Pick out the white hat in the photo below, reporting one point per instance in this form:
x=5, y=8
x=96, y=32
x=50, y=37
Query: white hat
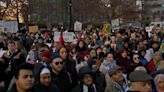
x=45, y=71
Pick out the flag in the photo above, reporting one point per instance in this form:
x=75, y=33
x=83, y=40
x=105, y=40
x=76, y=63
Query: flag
x=61, y=40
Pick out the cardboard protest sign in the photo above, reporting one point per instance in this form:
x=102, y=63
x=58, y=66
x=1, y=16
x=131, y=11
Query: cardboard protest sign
x=33, y=29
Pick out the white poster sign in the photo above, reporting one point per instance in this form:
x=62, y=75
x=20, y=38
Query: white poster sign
x=77, y=26
x=67, y=36
x=115, y=22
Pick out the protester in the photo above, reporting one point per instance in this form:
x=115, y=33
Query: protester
x=69, y=65
x=140, y=81
x=134, y=63
x=159, y=82
x=44, y=81
x=85, y=57
x=129, y=47
x=45, y=57
x=93, y=52
x=123, y=60
x=142, y=53
x=59, y=76
x=24, y=79
x=100, y=82
x=157, y=58
x=86, y=81
x=115, y=80
x=108, y=63
x=12, y=59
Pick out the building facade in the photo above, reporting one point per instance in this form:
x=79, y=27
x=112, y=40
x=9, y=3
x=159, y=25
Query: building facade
x=154, y=10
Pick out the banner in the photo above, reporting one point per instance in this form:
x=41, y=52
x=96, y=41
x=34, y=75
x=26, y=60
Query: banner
x=9, y=26
x=33, y=29
x=77, y=26
x=107, y=28
x=67, y=36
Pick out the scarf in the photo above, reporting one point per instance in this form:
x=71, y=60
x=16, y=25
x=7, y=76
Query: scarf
x=89, y=89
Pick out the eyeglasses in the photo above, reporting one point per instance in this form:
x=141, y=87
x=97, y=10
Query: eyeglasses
x=57, y=63
x=136, y=58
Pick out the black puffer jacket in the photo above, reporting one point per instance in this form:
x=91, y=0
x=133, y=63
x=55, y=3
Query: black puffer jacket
x=62, y=81
x=51, y=88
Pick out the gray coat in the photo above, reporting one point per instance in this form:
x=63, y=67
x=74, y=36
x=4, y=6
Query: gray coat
x=112, y=86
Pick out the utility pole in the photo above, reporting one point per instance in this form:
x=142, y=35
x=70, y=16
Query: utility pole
x=70, y=14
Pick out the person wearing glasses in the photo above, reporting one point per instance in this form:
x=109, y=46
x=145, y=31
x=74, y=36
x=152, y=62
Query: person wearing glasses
x=87, y=83
x=60, y=77
x=134, y=63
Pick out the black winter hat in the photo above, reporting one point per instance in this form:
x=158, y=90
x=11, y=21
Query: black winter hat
x=85, y=70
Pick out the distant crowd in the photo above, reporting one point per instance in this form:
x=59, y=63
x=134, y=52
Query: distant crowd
x=126, y=60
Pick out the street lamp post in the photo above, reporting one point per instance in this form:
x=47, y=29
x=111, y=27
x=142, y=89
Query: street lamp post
x=70, y=14
x=142, y=16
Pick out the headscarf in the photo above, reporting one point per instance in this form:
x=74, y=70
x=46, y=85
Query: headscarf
x=157, y=79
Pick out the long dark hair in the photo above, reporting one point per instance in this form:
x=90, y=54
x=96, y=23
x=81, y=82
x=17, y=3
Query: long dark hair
x=81, y=49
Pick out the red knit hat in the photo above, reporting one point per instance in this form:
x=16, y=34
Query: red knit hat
x=85, y=53
x=46, y=54
x=122, y=50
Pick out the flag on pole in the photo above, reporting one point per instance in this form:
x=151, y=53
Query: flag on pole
x=61, y=40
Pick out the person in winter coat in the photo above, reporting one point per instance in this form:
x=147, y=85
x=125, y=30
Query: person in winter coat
x=134, y=63
x=12, y=59
x=85, y=56
x=24, y=79
x=69, y=65
x=73, y=53
x=87, y=81
x=115, y=80
x=81, y=47
x=60, y=77
x=108, y=63
x=123, y=60
x=157, y=58
x=142, y=53
x=140, y=81
x=100, y=82
x=44, y=82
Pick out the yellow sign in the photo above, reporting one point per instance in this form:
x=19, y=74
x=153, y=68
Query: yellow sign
x=107, y=28
x=33, y=29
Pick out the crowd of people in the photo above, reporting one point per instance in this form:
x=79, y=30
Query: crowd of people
x=126, y=60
